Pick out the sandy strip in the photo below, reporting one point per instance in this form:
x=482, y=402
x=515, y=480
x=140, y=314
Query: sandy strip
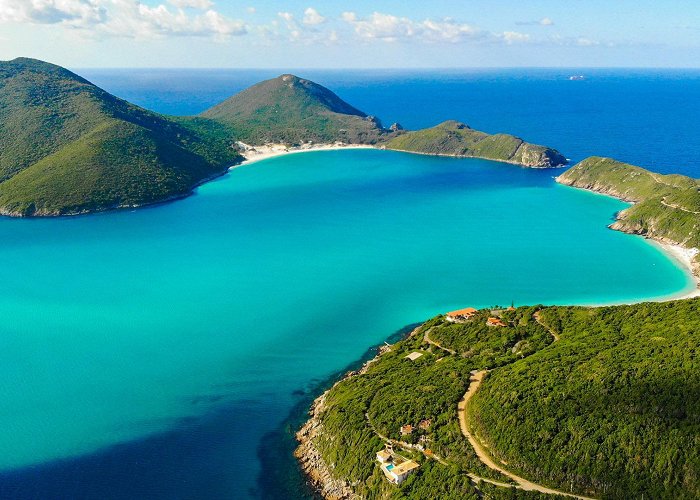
x=685, y=258
x=258, y=153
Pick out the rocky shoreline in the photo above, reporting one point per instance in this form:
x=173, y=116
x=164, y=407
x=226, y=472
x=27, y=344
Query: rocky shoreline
x=317, y=471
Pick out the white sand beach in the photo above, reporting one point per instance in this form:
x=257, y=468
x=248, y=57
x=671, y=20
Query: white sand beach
x=257, y=153
x=685, y=257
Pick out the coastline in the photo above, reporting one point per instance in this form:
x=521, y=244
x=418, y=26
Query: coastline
x=684, y=257
x=448, y=155
x=309, y=458
x=254, y=154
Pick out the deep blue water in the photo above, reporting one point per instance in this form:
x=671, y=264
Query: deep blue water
x=645, y=117
x=158, y=353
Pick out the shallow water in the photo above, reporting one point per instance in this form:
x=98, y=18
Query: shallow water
x=149, y=352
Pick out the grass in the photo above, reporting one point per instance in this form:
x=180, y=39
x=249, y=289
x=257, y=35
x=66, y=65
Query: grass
x=457, y=139
x=70, y=147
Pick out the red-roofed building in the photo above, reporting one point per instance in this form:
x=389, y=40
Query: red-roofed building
x=461, y=314
x=495, y=322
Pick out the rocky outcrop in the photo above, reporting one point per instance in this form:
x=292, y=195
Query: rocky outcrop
x=316, y=469
x=318, y=472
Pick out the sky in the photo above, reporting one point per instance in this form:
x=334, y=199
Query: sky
x=357, y=34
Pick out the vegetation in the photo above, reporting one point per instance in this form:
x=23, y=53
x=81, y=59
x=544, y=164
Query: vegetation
x=457, y=139
x=667, y=207
x=611, y=409
x=362, y=410
x=70, y=147
x=292, y=110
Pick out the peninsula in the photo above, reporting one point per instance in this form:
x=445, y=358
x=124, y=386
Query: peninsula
x=585, y=402
x=72, y=148
x=452, y=138
x=665, y=208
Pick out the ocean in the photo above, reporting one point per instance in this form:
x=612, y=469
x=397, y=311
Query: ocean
x=170, y=352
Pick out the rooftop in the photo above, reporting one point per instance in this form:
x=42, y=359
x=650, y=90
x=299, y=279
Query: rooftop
x=405, y=467
x=414, y=355
x=467, y=311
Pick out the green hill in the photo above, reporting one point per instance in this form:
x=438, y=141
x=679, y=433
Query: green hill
x=666, y=207
x=292, y=110
x=612, y=409
x=69, y=147
x=603, y=402
x=452, y=138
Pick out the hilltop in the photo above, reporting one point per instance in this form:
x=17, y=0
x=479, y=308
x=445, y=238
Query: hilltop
x=70, y=147
x=597, y=402
x=666, y=207
x=292, y=110
x=453, y=138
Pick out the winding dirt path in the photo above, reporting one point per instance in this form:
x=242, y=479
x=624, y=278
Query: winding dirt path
x=551, y=332
x=676, y=207
x=427, y=339
x=521, y=483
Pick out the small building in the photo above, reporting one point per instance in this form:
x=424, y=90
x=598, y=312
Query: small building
x=414, y=355
x=406, y=429
x=397, y=473
x=383, y=457
x=495, y=322
x=461, y=314
x=425, y=424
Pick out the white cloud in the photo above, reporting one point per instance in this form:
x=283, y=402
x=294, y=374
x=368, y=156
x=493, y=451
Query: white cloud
x=512, y=37
x=545, y=21
x=348, y=17
x=193, y=4
x=312, y=17
x=392, y=28
x=124, y=18
x=69, y=12
x=251, y=10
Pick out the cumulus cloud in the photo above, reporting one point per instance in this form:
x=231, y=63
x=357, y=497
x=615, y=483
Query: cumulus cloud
x=193, y=4
x=312, y=17
x=125, y=18
x=73, y=12
x=512, y=37
x=392, y=28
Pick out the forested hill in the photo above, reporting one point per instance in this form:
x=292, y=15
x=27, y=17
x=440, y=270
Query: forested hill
x=292, y=110
x=602, y=402
x=452, y=138
x=667, y=207
x=70, y=147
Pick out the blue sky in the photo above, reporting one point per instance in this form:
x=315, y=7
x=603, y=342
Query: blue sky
x=359, y=34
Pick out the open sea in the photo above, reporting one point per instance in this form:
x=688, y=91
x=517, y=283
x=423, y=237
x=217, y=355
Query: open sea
x=170, y=352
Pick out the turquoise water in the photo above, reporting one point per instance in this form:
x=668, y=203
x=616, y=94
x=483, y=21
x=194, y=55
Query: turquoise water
x=132, y=324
